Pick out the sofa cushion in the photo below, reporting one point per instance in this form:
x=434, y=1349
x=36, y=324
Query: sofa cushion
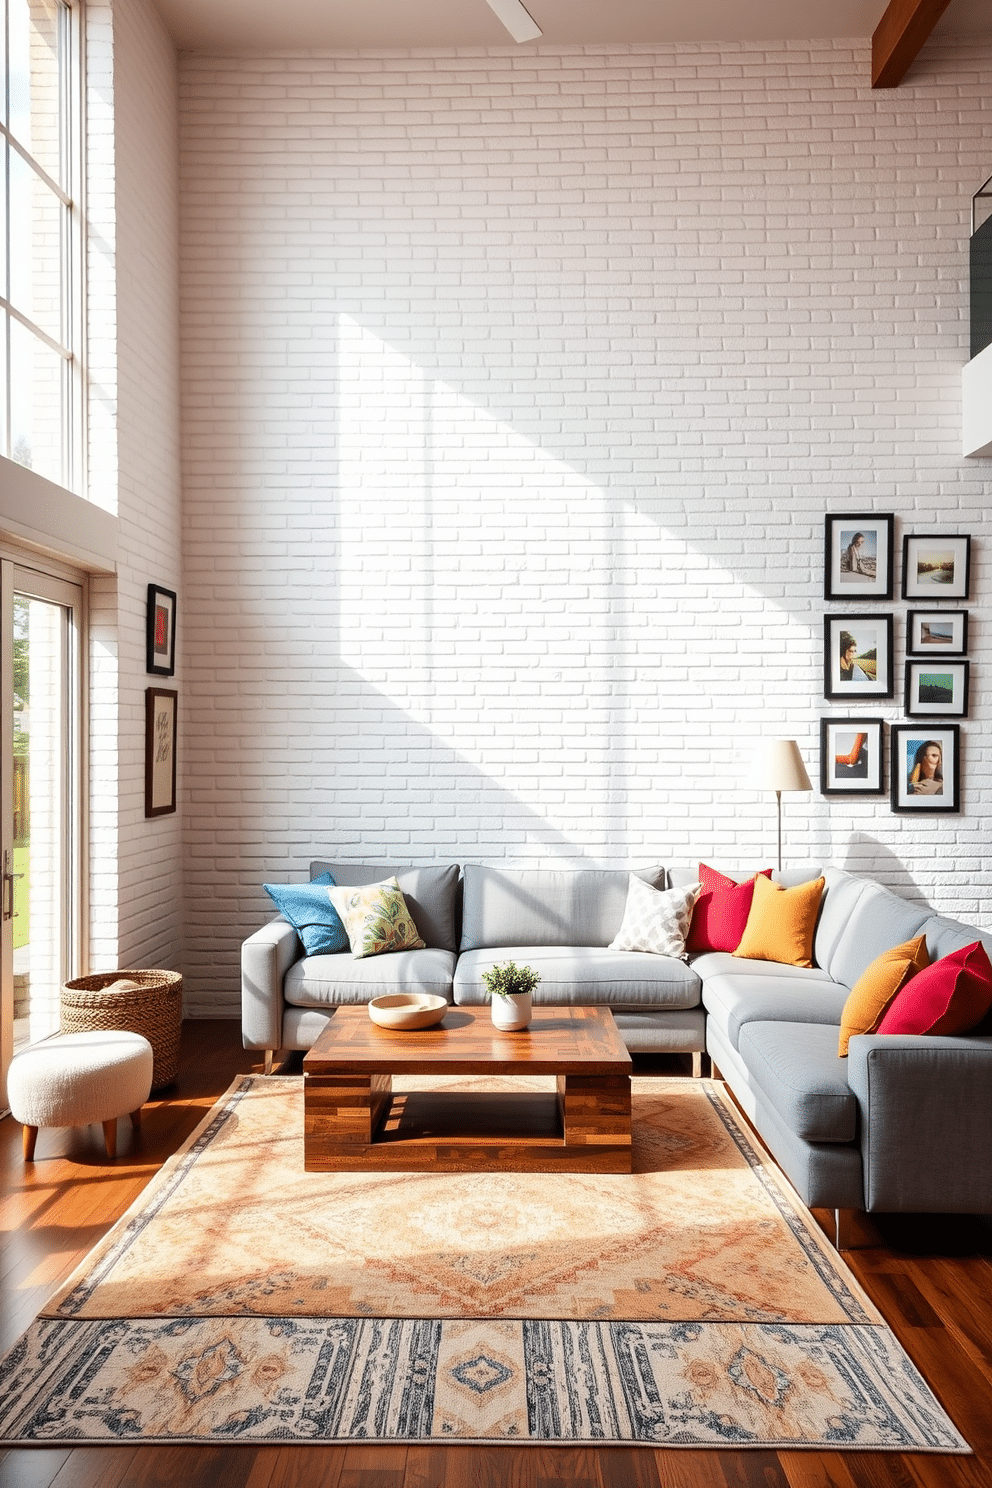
x=945, y=935
x=655, y=920
x=781, y=923
x=431, y=894
x=591, y=975
x=859, y=920
x=787, y=876
x=798, y=1070
x=309, y=910
x=951, y=996
x=546, y=906
x=878, y=986
x=332, y=981
x=761, y=991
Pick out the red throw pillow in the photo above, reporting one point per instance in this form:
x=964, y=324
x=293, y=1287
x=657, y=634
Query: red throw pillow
x=721, y=911
x=951, y=996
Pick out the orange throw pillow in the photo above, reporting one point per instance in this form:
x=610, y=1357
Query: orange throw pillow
x=877, y=987
x=781, y=923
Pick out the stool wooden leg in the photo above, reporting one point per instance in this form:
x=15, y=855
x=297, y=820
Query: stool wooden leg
x=29, y=1136
x=110, y=1137
x=136, y=1119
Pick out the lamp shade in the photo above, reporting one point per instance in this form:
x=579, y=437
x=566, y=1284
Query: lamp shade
x=778, y=766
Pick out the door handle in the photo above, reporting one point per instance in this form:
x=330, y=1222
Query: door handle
x=8, y=887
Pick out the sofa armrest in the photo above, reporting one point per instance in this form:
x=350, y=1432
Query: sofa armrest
x=926, y=1122
x=266, y=957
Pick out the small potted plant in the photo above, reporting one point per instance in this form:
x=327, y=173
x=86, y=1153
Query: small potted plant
x=510, y=987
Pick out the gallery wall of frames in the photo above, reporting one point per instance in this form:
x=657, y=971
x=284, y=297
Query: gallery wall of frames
x=859, y=662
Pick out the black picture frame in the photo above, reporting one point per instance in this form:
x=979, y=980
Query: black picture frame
x=873, y=639
x=160, y=631
x=907, y=742
x=161, y=730
x=857, y=556
x=936, y=632
x=937, y=689
x=852, y=759
x=936, y=565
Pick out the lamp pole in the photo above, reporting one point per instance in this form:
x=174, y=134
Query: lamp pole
x=778, y=798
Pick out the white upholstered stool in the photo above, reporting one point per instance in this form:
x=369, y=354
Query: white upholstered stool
x=77, y=1078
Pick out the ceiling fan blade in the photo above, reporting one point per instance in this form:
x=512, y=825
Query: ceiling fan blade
x=518, y=21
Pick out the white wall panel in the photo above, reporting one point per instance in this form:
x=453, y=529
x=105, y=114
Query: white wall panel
x=516, y=389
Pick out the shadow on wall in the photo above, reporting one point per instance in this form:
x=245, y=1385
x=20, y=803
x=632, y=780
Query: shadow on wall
x=867, y=855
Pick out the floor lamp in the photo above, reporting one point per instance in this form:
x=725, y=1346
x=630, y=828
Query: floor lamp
x=778, y=766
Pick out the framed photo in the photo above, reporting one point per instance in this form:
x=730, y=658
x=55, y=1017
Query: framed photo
x=851, y=757
x=937, y=689
x=858, y=557
x=857, y=656
x=161, y=631
x=935, y=567
x=161, y=709
x=937, y=632
x=926, y=767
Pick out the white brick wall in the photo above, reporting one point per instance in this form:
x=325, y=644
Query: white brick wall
x=517, y=385
x=134, y=465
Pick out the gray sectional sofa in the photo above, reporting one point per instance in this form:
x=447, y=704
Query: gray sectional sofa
x=901, y=1124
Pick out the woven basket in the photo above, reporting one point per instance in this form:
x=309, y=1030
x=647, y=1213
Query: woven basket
x=154, y=1009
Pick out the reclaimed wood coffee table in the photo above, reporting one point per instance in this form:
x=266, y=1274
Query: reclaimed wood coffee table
x=355, y=1121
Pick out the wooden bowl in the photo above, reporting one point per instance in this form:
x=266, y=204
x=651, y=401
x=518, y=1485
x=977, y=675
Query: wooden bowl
x=407, y=1010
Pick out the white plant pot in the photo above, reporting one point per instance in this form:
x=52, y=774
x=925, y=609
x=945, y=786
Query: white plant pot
x=510, y=1013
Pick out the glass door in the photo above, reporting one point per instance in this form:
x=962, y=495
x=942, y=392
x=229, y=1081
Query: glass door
x=40, y=619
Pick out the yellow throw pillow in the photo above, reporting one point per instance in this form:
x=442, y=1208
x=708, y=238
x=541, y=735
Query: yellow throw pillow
x=877, y=986
x=781, y=923
x=376, y=918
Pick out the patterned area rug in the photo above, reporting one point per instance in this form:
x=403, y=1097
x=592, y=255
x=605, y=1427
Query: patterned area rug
x=691, y=1303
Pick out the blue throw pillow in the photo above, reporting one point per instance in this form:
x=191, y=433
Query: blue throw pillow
x=308, y=908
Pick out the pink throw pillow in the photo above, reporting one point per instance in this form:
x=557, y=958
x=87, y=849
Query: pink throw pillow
x=720, y=913
x=951, y=996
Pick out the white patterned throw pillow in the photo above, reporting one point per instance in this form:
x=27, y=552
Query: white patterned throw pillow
x=376, y=918
x=656, y=920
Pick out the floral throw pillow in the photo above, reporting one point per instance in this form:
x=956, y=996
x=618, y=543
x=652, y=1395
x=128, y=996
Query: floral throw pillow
x=655, y=920
x=376, y=918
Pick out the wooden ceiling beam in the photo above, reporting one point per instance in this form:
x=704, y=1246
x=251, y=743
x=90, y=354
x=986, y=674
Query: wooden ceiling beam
x=899, y=38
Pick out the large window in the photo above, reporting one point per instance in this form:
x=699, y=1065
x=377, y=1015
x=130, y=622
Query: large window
x=41, y=267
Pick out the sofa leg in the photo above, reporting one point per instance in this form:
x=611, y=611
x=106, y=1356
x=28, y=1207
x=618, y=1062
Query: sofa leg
x=697, y=1065
x=714, y=1072
x=269, y=1056
x=854, y=1230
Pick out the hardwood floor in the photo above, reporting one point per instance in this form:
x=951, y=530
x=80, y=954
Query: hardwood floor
x=931, y=1278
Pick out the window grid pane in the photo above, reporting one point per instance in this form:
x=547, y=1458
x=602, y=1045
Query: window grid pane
x=39, y=228
x=35, y=81
x=37, y=404
x=36, y=249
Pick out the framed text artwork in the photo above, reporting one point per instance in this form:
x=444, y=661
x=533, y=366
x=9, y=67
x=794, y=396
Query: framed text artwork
x=161, y=631
x=858, y=556
x=926, y=767
x=857, y=656
x=851, y=757
x=161, y=717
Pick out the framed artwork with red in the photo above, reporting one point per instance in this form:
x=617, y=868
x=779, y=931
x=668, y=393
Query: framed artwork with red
x=161, y=633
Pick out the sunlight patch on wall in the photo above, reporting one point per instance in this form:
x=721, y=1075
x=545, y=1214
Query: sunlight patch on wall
x=531, y=621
